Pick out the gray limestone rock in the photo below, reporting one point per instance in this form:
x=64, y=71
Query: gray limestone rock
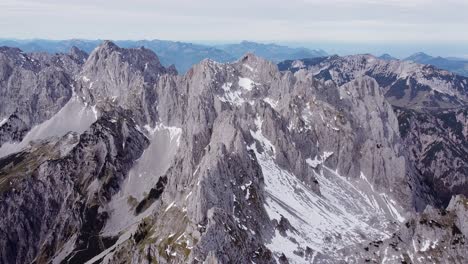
x=438, y=146
x=33, y=87
x=229, y=163
x=405, y=83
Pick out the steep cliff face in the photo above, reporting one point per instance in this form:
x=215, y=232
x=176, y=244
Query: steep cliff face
x=438, y=144
x=33, y=87
x=229, y=163
x=52, y=191
x=431, y=108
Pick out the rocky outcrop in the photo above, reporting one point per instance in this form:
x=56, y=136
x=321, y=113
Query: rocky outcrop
x=438, y=147
x=123, y=76
x=435, y=236
x=431, y=109
x=33, y=87
x=51, y=193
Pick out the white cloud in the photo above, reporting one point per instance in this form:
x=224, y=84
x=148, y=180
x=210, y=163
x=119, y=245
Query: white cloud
x=300, y=20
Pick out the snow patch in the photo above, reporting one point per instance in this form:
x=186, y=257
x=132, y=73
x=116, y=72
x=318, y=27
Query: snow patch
x=144, y=175
x=271, y=102
x=246, y=83
x=57, y=126
x=268, y=146
x=298, y=64
x=245, y=187
x=231, y=96
x=371, y=59
x=391, y=206
x=318, y=160
x=248, y=67
x=3, y=121
x=174, y=132
x=340, y=217
x=169, y=207
x=95, y=111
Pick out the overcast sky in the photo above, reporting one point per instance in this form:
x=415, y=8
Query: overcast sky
x=443, y=22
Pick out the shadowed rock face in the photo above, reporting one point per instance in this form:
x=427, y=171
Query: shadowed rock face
x=438, y=144
x=229, y=163
x=57, y=198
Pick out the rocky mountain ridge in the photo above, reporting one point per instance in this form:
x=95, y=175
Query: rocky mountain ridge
x=228, y=163
x=455, y=65
x=435, y=137
x=181, y=54
x=273, y=52
x=37, y=85
x=406, y=84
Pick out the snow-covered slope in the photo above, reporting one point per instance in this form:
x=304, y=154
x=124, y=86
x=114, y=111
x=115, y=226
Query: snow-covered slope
x=75, y=116
x=346, y=212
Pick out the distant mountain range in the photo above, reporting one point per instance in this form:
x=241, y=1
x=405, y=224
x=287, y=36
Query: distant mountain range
x=455, y=65
x=273, y=52
x=405, y=83
x=182, y=54
x=387, y=57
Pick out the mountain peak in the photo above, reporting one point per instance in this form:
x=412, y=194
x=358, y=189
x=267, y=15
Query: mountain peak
x=134, y=56
x=106, y=47
x=249, y=56
x=12, y=50
x=246, y=42
x=117, y=73
x=107, y=44
x=255, y=61
x=78, y=54
x=419, y=56
x=387, y=57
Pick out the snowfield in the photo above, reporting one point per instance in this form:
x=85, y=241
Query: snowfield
x=346, y=212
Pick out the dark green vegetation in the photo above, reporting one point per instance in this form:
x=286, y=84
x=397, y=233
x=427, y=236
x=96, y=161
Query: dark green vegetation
x=154, y=194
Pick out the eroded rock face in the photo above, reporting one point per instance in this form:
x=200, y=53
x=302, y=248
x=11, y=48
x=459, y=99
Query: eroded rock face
x=437, y=235
x=438, y=144
x=405, y=83
x=229, y=163
x=33, y=87
x=61, y=184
